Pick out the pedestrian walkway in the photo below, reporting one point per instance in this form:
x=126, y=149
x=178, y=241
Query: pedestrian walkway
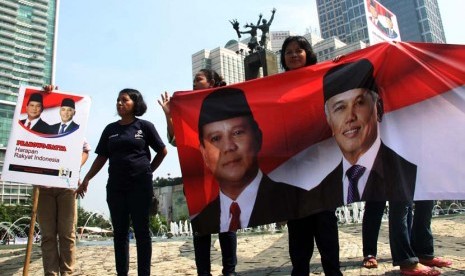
x=258, y=254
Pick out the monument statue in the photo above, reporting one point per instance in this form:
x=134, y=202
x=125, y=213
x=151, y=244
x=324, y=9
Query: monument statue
x=260, y=54
x=253, y=43
x=265, y=28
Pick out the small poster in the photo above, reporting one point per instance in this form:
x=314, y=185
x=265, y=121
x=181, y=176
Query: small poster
x=47, y=136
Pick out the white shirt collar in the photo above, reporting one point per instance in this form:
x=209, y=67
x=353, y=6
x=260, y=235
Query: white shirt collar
x=33, y=122
x=246, y=201
x=366, y=160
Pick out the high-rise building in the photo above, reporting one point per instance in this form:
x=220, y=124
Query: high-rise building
x=228, y=61
x=27, y=51
x=418, y=20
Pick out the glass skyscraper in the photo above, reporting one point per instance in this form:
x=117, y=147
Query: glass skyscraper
x=27, y=49
x=419, y=20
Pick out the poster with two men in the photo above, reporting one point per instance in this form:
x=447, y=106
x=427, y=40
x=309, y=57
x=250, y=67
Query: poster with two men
x=46, y=140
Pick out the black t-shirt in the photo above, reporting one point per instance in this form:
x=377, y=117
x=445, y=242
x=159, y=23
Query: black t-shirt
x=127, y=149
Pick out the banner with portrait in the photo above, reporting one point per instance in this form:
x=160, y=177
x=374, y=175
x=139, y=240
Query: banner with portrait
x=422, y=87
x=46, y=140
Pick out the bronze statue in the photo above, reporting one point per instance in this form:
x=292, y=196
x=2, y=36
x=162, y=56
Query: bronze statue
x=253, y=44
x=265, y=28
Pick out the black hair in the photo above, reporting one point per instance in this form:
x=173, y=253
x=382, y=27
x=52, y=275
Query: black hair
x=304, y=44
x=140, y=107
x=212, y=75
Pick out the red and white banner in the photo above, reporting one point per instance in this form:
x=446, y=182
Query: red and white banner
x=46, y=141
x=423, y=88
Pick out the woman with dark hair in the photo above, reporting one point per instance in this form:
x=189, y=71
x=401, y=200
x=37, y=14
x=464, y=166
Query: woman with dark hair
x=304, y=55
x=296, y=53
x=204, y=79
x=126, y=144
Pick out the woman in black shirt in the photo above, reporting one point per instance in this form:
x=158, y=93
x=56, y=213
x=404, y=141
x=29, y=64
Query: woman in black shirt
x=125, y=143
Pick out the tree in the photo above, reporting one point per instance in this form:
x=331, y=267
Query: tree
x=96, y=220
x=163, y=182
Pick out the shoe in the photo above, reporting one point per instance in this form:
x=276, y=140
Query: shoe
x=436, y=261
x=370, y=262
x=419, y=270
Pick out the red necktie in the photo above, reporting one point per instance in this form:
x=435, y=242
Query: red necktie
x=28, y=125
x=235, y=212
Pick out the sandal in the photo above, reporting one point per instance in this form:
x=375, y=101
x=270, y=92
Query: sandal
x=419, y=270
x=370, y=262
x=436, y=261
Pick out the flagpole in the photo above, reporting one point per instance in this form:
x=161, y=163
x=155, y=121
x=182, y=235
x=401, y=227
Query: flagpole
x=27, y=260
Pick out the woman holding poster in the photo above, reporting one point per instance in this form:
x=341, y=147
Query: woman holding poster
x=125, y=143
x=205, y=79
x=296, y=53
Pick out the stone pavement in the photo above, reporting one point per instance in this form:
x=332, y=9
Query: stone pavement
x=258, y=254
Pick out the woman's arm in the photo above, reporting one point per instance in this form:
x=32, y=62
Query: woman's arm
x=165, y=105
x=158, y=159
x=94, y=169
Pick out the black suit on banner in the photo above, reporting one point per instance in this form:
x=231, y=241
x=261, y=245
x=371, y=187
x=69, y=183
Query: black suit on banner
x=275, y=202
x=56, y=128
x=391, y=178
x=40, y=126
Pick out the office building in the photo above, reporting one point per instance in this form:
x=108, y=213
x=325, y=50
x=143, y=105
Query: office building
x=27, y=50
x=348, y=19
x=418, y=20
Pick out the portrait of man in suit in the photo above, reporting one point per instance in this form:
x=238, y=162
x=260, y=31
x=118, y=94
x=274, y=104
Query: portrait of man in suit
x=230, y=140
x=67, y=112
x=369, y=170
x=390, y=32
x=34, y=108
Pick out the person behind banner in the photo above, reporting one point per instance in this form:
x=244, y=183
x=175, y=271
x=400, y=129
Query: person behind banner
x=321, y=227
x=126, y=144
x=204, y=79
x=34, y=108
x=56, y=213
x=67, y=112
x=230, y=140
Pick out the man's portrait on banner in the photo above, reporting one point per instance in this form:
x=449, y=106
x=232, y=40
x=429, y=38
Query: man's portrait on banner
x=67, y=112
x=230, y=140
x=369, y=170
x=34, y=108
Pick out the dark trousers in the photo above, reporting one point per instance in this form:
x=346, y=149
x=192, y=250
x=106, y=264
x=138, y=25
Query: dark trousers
x=323, y=228
x=407, y=245
x=421, y=236
x=371, y=224
x=134, y=205
x=228, y=244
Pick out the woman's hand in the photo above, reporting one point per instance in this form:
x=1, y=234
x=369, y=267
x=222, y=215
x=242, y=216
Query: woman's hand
x=165, y=103
x=82, y=188
x=49, y=88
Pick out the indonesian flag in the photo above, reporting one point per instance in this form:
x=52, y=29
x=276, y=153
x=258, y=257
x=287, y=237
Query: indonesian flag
x=421, y=84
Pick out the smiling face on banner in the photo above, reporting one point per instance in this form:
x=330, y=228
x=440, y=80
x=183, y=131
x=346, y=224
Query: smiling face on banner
x=352, y=117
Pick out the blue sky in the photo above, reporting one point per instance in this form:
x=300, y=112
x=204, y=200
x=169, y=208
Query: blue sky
x=107, y=45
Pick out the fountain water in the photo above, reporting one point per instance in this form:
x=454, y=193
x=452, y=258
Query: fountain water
x=16, y=232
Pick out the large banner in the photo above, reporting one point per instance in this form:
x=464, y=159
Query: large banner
x=381, y=23
x=394, y=115
x=46, y=141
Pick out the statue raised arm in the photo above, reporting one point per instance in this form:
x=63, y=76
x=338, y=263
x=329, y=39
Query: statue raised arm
x=265, y=28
